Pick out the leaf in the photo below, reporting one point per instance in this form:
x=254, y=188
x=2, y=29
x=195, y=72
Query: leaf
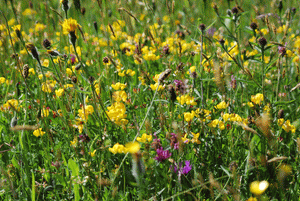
x=226, y=171
x=33, y=188
x=275, y=159
x=72, y=165
x=15, y=163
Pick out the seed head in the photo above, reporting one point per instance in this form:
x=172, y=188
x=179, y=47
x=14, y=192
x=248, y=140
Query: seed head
x=235, y=10
x=46, y=44
x=253, y=26
x=262, y=41
x=202, y=27
x=105, y=60
x=82, y=10
x=25, y=71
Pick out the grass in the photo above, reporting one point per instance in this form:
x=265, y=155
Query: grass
x=149, y=100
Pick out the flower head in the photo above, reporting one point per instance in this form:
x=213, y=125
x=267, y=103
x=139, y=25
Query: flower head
x=259, y=188
x=38, y=132
x=162, y=154
x=69, y=25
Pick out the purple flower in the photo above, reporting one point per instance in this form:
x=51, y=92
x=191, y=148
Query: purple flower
x=181, y=86
x=211, y=31
x=162, y=154
x=282, y=50
x=174, y=142
x=183, y=170
x=73, y=58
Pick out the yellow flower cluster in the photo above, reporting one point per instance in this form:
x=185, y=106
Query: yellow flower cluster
x=59, y=92
x=203, y=114
x=84, y=113
x=221, y=105
x=118, y=86
x=12, y=103
x=116, y=113
x=286, y=125
x=131, y=147
x=214, y=123
x=38, y=132
x=257, y=99
x=48, y=86
x=144, y=138
x=195, y=138
x=149, y=54
x=188, y=116
x=233, y=118
x=119, y=96
x=186, y=99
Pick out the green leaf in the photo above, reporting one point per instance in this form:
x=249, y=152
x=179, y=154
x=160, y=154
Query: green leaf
x=33, y=188
x=15, y=163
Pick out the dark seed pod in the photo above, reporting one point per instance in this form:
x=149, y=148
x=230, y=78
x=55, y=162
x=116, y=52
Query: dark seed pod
x=96, y=26
x=235, y=10
x=91, y=79
x=164, y=75
x=25, y=71
x=65, y=5
x=72, y=37
x=82, y=10
x=173, y=95
x=46, y=44
x=105, y=60
x=280, y=113
x=77, y=4
x=253, y=26
x=74, y=79
x=262, y=41
x=202, y=27
x=222, y=41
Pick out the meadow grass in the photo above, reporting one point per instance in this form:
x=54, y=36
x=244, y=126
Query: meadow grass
x=149, y=100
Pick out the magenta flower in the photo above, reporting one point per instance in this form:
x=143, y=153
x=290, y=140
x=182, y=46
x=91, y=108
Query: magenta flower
x=183, y=170
x=162, y=154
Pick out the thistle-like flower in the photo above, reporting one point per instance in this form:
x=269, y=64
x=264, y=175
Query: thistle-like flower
x=69, y=27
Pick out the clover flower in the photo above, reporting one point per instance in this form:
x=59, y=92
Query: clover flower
x=183, y=169
x=162, y=154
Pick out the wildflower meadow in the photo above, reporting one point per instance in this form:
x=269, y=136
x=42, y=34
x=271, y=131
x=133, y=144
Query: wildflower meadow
x=149, y=100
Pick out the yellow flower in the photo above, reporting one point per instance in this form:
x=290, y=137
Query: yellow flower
x=92, y=154
x=46, y=63
x=119, y=96
x=118, y=86
x=195, y=138
x=185, y=139
x=280, y=121
x=29, y=11
x=31, y=71
x=188, y=116
x=259, y=188
x=45, y=113
x=252, y=199
x=38, y=132
x=59, y=92
x=2, y=80
x=69, y=25
x=257, y=99
x=144, y=138
x=221, y=105
x=132, y=147
x=69, y=71
x=117, y=148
